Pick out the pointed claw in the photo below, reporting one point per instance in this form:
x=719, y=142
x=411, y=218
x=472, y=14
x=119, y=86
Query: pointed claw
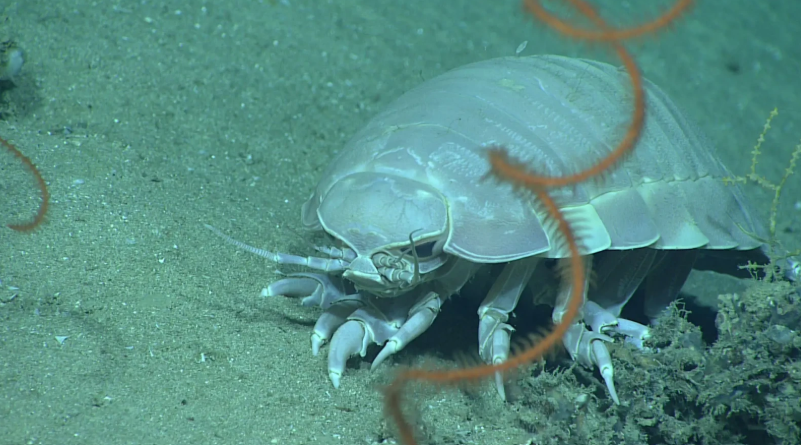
x=500, y=353
x=291, y=287
x=317, y=342
x=601, y=358
x=390, y=348
x=588, y=349
x=599, y=319
x=635, y=332
x=350, y=339
x=578, y=343
x=421, y=318
x=603, y=321
x=493, y=345
x=325, y=327
x=499, y=386
x=328, y=323
x=493, y=338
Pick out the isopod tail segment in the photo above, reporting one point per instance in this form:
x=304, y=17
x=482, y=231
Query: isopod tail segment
x=39, y=218
x=520, y=176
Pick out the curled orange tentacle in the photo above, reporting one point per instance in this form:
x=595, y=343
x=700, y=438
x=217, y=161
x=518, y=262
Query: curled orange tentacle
x=608, y=34
x=39, y=218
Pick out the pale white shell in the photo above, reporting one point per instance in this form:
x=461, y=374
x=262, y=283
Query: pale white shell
x=420, y=166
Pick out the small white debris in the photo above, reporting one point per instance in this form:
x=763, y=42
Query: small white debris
x=61, y=338
x=521, y=48
x=582, y=400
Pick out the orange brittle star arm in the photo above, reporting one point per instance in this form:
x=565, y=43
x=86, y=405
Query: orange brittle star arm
x=38, y=219
x=605, y=34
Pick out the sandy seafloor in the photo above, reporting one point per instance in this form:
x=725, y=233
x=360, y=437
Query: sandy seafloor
x=150, y=118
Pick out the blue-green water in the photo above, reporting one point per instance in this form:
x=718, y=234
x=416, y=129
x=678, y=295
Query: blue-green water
x=149, y=119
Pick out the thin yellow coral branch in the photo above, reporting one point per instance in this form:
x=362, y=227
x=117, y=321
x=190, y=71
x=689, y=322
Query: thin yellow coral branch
x=762, y=181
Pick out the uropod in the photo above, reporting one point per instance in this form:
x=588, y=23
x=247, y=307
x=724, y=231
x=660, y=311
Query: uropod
x=411, y=218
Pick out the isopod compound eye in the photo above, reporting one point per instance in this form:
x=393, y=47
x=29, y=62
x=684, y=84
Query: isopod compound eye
x=425, y=250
